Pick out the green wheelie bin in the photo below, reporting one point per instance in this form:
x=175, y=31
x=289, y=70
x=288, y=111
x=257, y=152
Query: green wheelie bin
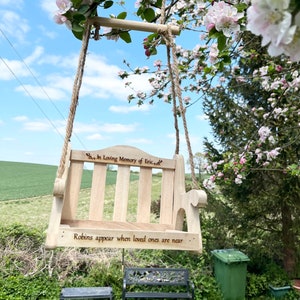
x=230, y=269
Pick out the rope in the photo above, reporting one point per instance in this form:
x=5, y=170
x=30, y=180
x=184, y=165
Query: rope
x=176, y=92
x=74, y=102
x=174, y=102
x=177, y=133
x=183, y=115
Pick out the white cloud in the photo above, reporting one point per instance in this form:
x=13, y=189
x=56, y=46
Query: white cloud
x=118, y=128
x=124, y=109
x=37, y=126
x=49, y=7
x=100, y=79
x=9, y=69
x=20, y=118
x=95, y=137
x=17, y=3
x=202, y=117
x=40, y=125
x=13, y=25
x=8, y=139
x=47, y=33
x=140, y=141
x=42, y=92
x=32, y=58
x=80, y=127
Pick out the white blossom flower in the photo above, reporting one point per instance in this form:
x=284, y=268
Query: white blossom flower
x=264, y=132
x=273, y=21
x=272, y=154
x=213, y=53
x=238, y=179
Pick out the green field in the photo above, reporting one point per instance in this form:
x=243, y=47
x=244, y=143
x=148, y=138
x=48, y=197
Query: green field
x=26, y=193
x=26, y=180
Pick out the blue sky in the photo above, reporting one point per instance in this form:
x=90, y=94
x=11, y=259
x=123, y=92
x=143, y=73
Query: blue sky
x=38, y=61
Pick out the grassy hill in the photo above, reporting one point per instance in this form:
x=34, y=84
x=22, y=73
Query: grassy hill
x=27, y=180
x=26, y=192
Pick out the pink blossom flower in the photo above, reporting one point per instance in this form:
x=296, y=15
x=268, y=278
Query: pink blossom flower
x=63, y=5
x=59, y=18
x=187, y=100
x=157, y=63
x=243, y=160
x=137, y=3
x=224, y=17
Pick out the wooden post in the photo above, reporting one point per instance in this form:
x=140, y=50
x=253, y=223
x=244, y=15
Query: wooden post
x=135, y=25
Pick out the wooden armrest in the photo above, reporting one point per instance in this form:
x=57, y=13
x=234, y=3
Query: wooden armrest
x=59, y=187
x=197, y=198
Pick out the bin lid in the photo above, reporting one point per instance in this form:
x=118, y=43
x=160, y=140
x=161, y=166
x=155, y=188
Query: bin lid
x=230, y=255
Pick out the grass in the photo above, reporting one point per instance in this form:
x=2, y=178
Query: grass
x=26, y=193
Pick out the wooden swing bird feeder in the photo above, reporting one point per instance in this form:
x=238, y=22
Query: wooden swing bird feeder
x=66, y=229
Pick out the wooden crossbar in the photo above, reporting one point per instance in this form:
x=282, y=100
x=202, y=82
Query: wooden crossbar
x=134, y=25
x=121, y=230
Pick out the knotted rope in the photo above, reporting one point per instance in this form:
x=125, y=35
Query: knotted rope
x=177, y=94
x=74, y=101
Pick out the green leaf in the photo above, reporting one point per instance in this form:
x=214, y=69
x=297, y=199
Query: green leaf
x=207, y=70
x=213, y=33
x=241, y=7
x=78, y=18
x=149, y=14
x=158, y=3
x=108, y=4
x=76, y=3
x=122, y=15
x=152, y=37
x=139, y=11
x=83, y=9
x=226, y=59
x=221, y=42
x=125, y=36
x=77, y=27
x=153, y=51
x=78, y=34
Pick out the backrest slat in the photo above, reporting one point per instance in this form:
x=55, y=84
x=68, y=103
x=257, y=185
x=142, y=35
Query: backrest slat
x=144, y=195
x=72, y=191
x=98, y=192
x=166, y=201
x=121, y=193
